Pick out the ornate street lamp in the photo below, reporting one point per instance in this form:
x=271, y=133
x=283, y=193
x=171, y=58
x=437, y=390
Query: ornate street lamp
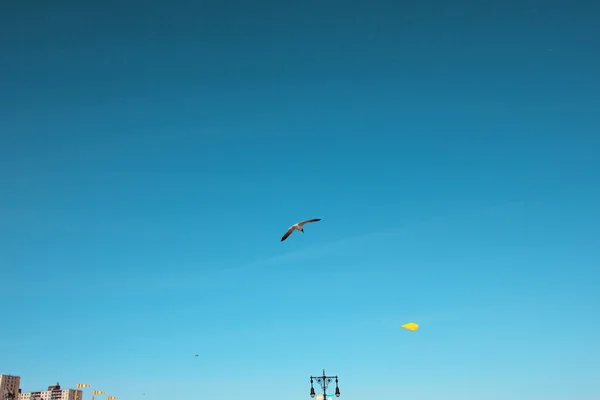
x=324, y=381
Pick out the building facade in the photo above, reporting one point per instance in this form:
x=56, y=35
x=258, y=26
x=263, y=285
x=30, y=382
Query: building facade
x=53, y=393
x=10, y=384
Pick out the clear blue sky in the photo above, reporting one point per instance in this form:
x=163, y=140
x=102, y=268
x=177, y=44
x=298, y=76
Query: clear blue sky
x=153, y=153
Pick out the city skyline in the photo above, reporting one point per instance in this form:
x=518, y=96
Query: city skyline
x=53, y=392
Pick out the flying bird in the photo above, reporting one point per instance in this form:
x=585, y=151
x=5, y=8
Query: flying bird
x=298, y=227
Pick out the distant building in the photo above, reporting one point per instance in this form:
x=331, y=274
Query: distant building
x=54, y=392
x=10, y=385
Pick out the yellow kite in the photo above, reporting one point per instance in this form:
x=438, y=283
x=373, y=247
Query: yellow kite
x=411, y=326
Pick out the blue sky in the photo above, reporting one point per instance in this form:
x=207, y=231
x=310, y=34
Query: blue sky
x=152, y=155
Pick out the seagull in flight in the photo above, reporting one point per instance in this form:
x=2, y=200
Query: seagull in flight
x=298, y=227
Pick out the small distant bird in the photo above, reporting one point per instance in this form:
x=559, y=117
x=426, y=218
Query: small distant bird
x=196, y=355
x=298, y=227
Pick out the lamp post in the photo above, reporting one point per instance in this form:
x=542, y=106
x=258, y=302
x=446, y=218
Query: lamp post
x=324, y=381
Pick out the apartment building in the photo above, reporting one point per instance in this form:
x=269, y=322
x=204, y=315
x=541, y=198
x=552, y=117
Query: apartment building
x=54, y=392
x=9, y=385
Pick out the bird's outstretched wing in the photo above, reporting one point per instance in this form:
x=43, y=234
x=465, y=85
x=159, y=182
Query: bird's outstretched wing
x=308, y=221
x=288, y=233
